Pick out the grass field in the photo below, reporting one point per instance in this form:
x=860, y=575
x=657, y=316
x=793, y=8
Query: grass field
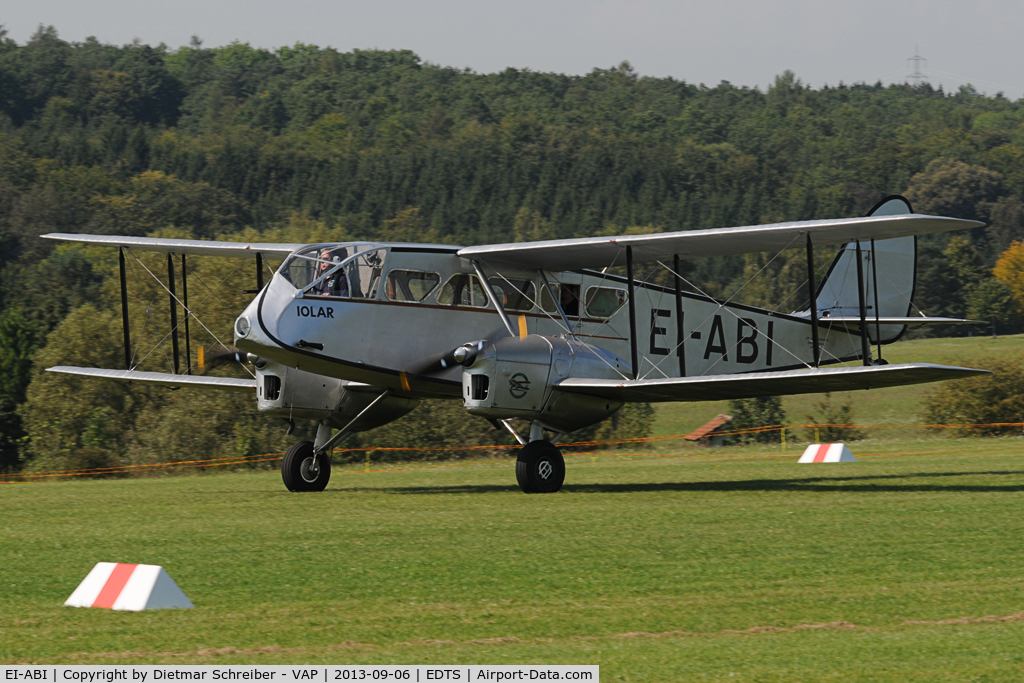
x=897, y=568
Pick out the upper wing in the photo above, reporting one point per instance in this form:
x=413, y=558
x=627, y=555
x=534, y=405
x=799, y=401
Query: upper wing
x=750, y=385
x=598, y=252
x=176, y=246
x=160, y=378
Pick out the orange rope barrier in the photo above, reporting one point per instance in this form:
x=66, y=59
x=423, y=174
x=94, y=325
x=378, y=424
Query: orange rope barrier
x=23, y=477
x=760, y=455
x=125, y=468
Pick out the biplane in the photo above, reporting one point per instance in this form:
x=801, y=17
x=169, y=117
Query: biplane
x=355, y=335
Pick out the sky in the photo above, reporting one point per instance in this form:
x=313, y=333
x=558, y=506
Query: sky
x=745, y=42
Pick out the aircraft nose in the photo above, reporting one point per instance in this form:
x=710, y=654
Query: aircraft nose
x=249, y=334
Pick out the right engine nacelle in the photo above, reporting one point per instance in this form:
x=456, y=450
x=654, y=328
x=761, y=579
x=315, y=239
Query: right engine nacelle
x=516, y=378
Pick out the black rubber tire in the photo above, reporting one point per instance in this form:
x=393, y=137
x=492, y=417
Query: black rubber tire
x=540, y=468
x=295, y=469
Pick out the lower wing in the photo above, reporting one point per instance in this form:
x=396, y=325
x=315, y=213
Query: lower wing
x=756, y=384
x=160, y=378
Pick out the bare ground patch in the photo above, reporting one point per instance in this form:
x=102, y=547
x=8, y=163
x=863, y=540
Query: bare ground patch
x=499, y=640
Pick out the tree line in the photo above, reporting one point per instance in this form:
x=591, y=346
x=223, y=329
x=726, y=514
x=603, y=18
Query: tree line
x=306, y=142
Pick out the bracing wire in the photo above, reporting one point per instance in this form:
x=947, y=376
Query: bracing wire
x=561, y=325
x=194, y=317
x=724, y=304
x=148, y=318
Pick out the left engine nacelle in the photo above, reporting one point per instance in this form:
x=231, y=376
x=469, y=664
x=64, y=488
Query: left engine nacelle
x=516, y=378
x=285, y=392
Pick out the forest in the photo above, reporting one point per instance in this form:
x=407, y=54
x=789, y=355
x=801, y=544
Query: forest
x=304, y=143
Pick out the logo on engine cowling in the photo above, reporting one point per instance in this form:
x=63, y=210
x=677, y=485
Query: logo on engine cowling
x=518, y=385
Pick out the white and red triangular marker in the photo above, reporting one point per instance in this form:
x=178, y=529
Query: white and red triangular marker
x=130, y=587
x=827, y=452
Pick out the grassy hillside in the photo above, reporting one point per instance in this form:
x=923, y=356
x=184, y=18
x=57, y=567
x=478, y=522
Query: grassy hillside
x=899, y=405
x=658, y=569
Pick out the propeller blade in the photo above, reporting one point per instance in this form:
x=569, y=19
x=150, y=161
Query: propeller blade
x=437, y=362
x=440, y=362
x=207, y=358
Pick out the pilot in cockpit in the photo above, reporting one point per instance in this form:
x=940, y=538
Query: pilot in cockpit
x=337, y=283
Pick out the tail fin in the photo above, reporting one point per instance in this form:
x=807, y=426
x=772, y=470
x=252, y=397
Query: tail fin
x=889, y=272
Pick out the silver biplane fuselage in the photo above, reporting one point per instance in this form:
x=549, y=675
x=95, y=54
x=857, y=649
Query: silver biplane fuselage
x=377, y=316
x=377, y=331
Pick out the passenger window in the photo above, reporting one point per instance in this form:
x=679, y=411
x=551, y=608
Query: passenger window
x=410, y=285
x=514, y=295
x=568, y=296
x=602, y=302
x=462, y=290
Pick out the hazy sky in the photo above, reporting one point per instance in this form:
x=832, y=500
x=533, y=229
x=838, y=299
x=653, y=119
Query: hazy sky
x=747, y=42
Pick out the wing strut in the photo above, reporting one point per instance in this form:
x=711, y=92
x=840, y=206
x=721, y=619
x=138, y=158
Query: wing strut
x=680, y=339
x=812, y=293
x=865, y=347
x=188, y=313
x=632, y=313
x=259, y=276
x=494, y=300
x=874, y=290
x=558, y=304
x=174, y=310
x=124, y=312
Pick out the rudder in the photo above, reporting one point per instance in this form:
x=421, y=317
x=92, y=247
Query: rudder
x=890, y=269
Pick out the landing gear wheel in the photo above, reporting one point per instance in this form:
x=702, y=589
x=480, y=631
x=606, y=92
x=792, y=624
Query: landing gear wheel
x=540, y=468
x=302, y=472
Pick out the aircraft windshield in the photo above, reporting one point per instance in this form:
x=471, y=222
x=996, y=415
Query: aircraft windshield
x=344, y=270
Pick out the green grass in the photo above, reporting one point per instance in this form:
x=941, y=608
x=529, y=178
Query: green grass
x=656, y=568
x=899, y=405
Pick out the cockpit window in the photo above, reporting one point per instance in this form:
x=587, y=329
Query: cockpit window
x=300, y=268
x=336, y=270
x=335, y=284
x=363, y=274
x=462, y=290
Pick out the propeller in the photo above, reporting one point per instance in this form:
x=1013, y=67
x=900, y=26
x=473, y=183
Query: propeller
x=463, y=355
x=207, y=358
x=460, y=355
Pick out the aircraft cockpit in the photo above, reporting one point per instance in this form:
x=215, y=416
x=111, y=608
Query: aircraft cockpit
x=355, y=270
x=350, y=270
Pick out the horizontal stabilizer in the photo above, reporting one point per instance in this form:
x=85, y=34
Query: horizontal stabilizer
x=161, y=378
x=755, y=384
x=599, y=252
x=176, y=246
x=891, y=320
